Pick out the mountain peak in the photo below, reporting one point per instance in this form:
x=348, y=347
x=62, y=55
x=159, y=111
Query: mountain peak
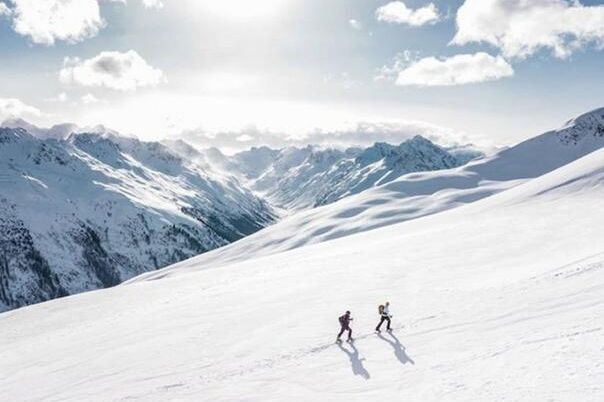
x=596, y=114
x=12, y=135
x=381, y=150
x=587, y=125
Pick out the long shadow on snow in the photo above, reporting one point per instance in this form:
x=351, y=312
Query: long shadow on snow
x=399, y=349
x=355, y=362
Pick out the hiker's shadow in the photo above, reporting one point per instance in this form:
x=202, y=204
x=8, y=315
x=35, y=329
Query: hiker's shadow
x=355, y=362
x=399, y=349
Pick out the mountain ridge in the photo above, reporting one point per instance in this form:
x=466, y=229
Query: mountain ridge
x=302, y=178
x=420, y=194
x=182, y=201
x=114, y=207
x=86, y=212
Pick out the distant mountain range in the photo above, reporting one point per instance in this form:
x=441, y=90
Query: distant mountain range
x=301, y=178
x=87, y=210
x=420, y=194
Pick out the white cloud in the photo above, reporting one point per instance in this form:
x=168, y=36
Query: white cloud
x=11, y=108
x=520, y=27
x=50, y=20
x=355, y=24
x=157, y=4
x=88, y=99
x=456, y=70
x=361, y=134
x=120, y=71
x=401, y=61
x=46, y=21
x=397, y=12
x=4, y=10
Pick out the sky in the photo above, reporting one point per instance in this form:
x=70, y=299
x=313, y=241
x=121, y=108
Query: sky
x=237, y=73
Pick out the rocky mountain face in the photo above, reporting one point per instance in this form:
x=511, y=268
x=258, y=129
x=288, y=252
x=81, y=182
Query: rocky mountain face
x=301, y=178
x=92, y=210
x=585, y=126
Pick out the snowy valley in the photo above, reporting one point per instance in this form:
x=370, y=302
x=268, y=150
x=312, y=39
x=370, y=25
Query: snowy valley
x=495, y=272
x=88, y=210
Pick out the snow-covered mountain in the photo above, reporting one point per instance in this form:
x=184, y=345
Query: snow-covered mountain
x=89, y=210
x=498, y=299
x=297, y=178
x=93, y=210
x=302, y=178
x=419, y=194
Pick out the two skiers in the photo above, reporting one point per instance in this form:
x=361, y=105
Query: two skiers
x=345, y=326
x=383, y=311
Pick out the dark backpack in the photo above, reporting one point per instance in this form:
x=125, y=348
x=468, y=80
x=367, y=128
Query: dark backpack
x=381, y=309
x=342, y=319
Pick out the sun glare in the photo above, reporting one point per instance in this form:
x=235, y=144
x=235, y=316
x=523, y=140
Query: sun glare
x=243, y=8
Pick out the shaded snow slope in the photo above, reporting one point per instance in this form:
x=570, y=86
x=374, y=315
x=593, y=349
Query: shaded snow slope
x=93, y=210
x=419, y=194
x=497, y=300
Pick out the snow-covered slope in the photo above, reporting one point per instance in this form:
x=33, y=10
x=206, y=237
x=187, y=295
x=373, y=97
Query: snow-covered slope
x=114, y=207
x=418, y=194
x=101, y=191
x=497, y=300
x=93, y=210
x=302, y=178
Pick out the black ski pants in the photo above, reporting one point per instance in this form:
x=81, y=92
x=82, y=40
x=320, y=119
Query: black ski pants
x=384, y=318
x=345, y=328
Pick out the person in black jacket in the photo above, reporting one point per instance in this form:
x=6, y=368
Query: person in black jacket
x=345, y=326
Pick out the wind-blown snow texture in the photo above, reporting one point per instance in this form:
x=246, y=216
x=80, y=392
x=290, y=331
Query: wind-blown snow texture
x=92, y=210
x=498, y=299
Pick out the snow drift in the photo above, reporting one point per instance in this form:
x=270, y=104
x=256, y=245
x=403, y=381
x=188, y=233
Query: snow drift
x=497, y=299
